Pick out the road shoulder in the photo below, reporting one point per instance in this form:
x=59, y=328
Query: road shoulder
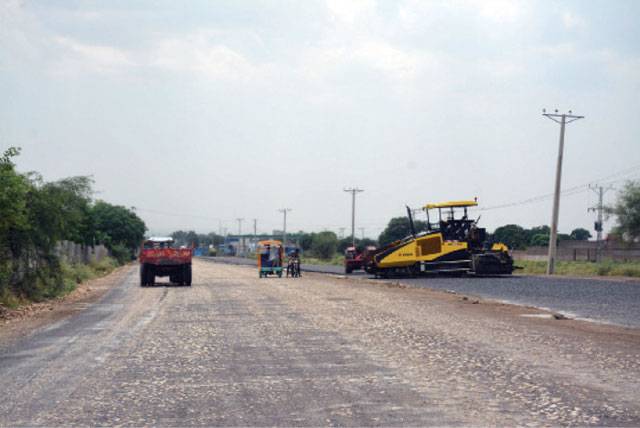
x=15, y=324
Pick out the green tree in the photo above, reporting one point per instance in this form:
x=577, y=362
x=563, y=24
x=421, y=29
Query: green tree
x=532, y=234
x=399, y=228
x=117, y=228
x=324, y=244
x=305, y=240
x=539, y=240
x=14, y=217
x=580, y=234
x=514, y=236
x=627, y=212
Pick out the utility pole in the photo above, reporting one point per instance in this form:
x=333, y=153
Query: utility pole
x=353, y=192
x=361, y=232
x=563, y=120
x=342, y=232
x=284, y=228
x=241, y=239
x=255, y=234
x=600, y=191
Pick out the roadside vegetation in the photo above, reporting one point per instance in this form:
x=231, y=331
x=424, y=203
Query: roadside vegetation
x=578, y=268
x=36, y=215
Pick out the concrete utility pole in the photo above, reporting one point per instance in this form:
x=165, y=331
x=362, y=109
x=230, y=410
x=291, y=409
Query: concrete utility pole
x=600, y=191
x=255, y=228
x=239, y=220
x=342, y=232
x=361, y=232
x=562, y=119
x=284, y=228
x=353, y=192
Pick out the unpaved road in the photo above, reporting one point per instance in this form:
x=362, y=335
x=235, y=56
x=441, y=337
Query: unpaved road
x=236, y=350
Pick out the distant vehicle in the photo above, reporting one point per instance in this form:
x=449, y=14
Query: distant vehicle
x=160, y=257
x=354, y=259
x=270, y=254
x=453, y=244
x=293, y=263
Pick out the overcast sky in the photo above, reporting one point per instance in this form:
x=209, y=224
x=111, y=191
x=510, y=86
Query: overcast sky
x=197, y=113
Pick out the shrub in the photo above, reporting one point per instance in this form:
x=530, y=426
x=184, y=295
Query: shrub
x=324, y=244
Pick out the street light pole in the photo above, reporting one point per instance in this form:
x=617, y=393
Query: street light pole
x=563, y=120
x=353, y=192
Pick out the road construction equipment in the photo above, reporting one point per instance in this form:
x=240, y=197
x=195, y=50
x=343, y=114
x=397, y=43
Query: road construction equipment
x=453, y=244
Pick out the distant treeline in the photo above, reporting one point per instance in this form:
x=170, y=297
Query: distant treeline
x=326, y=244
x=35, y=215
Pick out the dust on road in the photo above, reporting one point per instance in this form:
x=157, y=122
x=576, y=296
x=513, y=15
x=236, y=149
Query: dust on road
x=237, y=350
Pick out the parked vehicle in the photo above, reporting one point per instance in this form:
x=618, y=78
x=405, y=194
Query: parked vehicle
x=270, y=254
x=354, y=259
x=160, y=257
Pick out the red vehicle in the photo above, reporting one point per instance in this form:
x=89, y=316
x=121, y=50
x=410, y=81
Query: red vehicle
x=159, y=257
x=354, y=259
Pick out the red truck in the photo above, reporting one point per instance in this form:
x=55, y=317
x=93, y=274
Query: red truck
x=354, y=259
x=160, y=257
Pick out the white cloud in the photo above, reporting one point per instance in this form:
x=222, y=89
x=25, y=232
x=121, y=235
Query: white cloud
x=501, y=11
x=96, y=58
x=351, y=11
x=572, y=21
x=198, y=53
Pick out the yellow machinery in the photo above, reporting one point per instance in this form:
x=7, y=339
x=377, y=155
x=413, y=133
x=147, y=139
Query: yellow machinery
x=450, y=244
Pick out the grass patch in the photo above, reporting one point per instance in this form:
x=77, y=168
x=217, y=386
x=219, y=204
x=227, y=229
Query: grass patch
x=67, y=279
x=337, y=260
x=571, y=268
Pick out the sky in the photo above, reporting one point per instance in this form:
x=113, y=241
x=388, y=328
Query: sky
x=198, y=113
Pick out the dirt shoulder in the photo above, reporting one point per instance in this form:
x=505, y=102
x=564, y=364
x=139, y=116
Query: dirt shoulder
x=21, y=322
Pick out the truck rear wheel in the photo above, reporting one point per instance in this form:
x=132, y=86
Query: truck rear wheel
x=186, y=275
x=143, y=276
x=147, y=276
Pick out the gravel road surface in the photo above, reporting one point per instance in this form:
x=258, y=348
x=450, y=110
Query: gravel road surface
x=318, y=350
x=612, y=301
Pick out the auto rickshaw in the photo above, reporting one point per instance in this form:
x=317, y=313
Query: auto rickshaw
x=270, y=254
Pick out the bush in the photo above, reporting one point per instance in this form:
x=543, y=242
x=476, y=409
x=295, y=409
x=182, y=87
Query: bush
x=121, y=253
x=324, y=244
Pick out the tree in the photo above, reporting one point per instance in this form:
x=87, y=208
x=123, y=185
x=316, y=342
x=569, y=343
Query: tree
x=539, y=240
x=580, y=234
x=305, y=240
x=627, y=212
x=514, y=236
x=534, y=234
x=399, y=228
x=324, y=244
x=117, y=228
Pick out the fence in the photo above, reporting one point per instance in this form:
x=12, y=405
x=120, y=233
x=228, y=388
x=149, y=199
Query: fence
x=78, y=253
x=582, y=251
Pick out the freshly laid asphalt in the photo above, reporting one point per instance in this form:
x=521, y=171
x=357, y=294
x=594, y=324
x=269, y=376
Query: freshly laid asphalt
x=607, y=301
